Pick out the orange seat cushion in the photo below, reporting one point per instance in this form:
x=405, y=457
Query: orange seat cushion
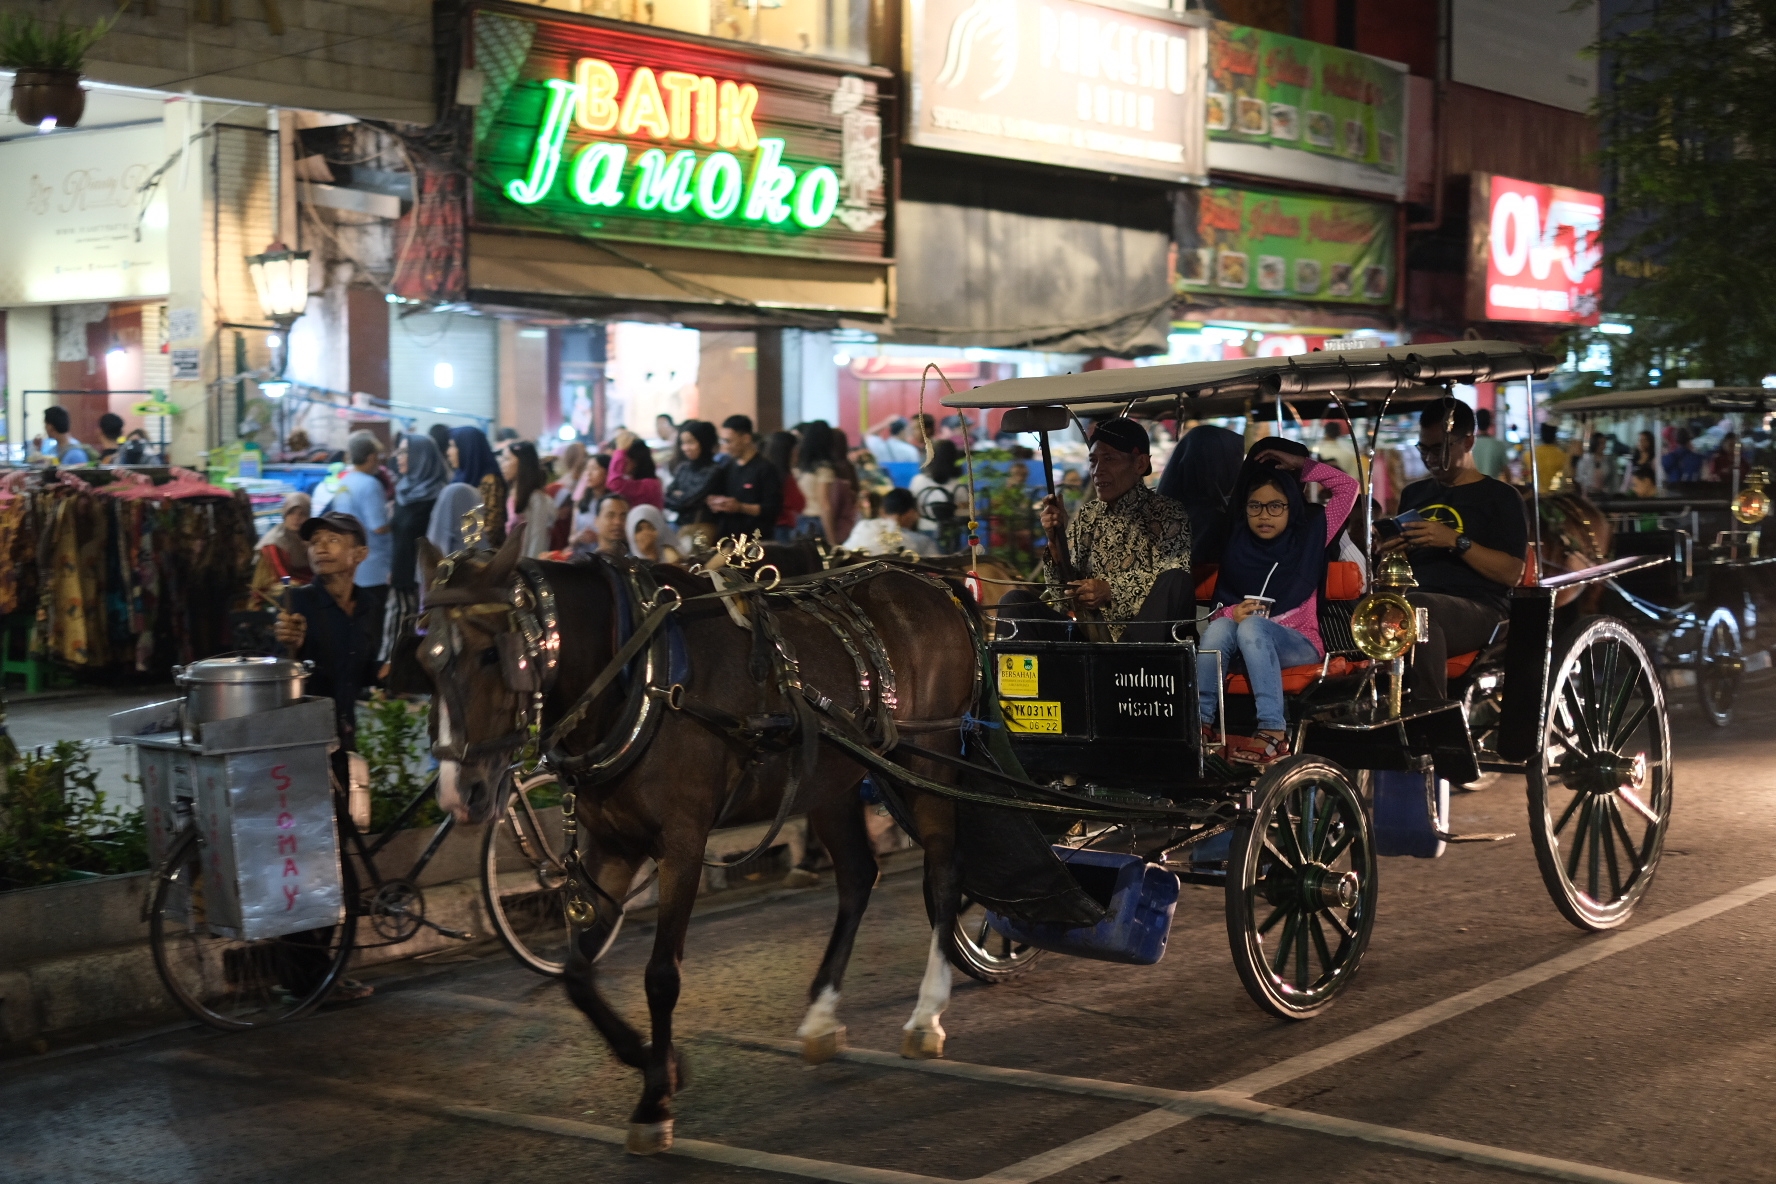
x=1459, y=663
x=1344, y=580
x=1204, y=576
x=1531, y=569
x=1298, y=678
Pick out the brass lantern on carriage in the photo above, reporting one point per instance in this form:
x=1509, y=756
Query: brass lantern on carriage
x=1385, y=624
x=1751, y=505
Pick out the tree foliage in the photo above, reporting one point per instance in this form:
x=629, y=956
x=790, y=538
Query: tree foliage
x=1689, y=131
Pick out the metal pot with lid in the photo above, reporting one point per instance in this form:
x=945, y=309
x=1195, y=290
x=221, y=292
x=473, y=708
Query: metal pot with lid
x=225, y=688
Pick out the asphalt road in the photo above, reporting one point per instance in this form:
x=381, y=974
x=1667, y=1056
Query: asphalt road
x=1485, y=1039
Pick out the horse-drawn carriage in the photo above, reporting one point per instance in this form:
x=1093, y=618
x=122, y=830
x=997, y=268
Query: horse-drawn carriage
x=1581, y=713
x=1700, y=614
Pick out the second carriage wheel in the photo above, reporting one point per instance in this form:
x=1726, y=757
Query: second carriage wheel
x=1301, y=887
x=1600, y=790
x=982, y=952
x=524, y=876
x=1720, y=665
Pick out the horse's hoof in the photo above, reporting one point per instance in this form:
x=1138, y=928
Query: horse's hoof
x=919, y=1045
x=817, y=1050
x=649, y=1138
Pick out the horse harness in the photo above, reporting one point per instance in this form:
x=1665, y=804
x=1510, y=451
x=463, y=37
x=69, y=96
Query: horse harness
x=529, y=652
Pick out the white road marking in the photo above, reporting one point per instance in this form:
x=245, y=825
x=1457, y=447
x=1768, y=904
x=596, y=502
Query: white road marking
x=1071, y=1155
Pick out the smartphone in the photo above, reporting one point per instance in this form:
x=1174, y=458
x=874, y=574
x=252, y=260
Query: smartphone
x=1390, y=528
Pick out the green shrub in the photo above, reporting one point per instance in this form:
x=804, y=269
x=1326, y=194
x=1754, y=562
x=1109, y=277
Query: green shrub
x=393, y=738
x=55, y=824
x=27, y=43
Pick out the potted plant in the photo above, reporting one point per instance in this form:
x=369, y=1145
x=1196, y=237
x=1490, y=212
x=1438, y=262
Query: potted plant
x=46, y=87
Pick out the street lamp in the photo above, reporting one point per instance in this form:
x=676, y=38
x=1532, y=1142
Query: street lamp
x=280, y=277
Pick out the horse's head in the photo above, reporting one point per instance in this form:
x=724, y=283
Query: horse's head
x=483, y=678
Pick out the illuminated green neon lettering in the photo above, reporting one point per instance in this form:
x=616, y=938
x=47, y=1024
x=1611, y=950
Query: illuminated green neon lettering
x=772, y=181
x=545, y=153
x=719, y=182
x=817, y=196
x=675, y=186
x=597, y=172
x=650, y=180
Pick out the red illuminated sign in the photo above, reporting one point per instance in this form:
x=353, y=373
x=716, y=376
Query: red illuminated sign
x=1536, y=250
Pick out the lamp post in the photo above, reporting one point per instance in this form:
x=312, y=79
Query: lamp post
x=280, y=277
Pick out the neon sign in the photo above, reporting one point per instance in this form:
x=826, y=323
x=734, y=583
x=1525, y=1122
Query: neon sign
x=677, y=108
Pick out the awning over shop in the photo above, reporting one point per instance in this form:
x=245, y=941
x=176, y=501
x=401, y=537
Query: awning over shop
x=990, y=278
x=587, y=270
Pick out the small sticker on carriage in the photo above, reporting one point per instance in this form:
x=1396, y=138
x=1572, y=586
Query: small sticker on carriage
x=1018, y=677
x=1028, y=716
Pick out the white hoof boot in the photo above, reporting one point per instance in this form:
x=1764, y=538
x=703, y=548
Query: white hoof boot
x=921, y=1044
x=817, y=1050
x=649, y=1138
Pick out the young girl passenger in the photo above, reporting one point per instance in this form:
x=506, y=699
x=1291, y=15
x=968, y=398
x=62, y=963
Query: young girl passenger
x=1267, y=591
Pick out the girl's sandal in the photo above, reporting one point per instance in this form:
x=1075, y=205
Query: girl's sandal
x=1262, y=749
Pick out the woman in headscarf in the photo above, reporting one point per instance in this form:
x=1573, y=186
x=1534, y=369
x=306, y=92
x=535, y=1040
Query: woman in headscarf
x=693, y=479
x=1201, y=473
x=649, y=536
x=445, y=529
x=422, y=478
x=632, y=472
x=1267, y=592
x=472, y=457
x=282, y=553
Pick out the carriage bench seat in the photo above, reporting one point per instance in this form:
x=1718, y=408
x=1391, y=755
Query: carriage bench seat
x=1298, y=678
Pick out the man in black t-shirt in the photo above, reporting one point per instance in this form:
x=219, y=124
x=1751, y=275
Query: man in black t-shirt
x=747, y=495
x=1467, y=553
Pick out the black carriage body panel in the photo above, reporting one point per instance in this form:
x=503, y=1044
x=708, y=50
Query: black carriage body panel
x=1362, y=736
x=1118, y=713
x=1527, y=654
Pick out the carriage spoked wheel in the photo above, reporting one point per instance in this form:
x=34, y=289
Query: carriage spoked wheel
x=229, y=983
x=982, y=952
x=1301, y=887
x=524, y=877
x=1600, y=794
x=1720, y=666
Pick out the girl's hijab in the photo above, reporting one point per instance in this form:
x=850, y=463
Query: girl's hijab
x=663, y=533
x=475, y=455
x=1294, y=562
x=1201, y=474
x=445, y=527
x=425, y=474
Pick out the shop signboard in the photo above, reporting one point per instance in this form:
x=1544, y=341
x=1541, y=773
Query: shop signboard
x=1293, y=246
x=590, y=128
x=78, y=229
x=1058, y=82
x=1534, y=252
x=1280, y=106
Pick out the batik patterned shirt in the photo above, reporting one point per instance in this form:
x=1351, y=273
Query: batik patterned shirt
x=1127, y=543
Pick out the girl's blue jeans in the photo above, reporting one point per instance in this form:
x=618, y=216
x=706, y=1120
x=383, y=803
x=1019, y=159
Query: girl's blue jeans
x=1267, y=647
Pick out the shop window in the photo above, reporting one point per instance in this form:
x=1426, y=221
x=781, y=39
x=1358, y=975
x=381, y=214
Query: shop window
x=832, y=28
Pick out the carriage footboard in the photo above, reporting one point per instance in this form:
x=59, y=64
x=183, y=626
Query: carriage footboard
x=1432, y=735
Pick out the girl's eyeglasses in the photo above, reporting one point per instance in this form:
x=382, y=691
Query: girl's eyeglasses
x=1267, y=509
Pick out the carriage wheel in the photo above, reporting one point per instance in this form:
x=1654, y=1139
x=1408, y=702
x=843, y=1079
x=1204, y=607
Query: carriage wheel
x=1301, y=887
x=1600, y=794
x=982, y=952
x=1482, y=707
x=1720, y=666
x=524, y=877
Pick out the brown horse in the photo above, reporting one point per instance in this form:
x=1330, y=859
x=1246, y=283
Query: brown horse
x=713, y=749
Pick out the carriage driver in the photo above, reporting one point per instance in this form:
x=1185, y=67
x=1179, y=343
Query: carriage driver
x=1131, y=546
x=1467, y=552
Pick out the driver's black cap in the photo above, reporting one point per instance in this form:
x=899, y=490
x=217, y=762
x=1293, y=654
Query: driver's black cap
x=336, y=522
x=1122, y=434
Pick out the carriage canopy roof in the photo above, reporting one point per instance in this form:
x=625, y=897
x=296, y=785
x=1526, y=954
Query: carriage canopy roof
x=1363, y=380
x=1698, y=398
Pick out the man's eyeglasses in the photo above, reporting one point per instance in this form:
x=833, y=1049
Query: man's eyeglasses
x=1267, y=509
x=1448, y=447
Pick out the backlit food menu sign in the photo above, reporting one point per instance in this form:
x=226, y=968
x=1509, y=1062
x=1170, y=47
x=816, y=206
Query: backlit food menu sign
x=1279, y=106
x=587, y=128
x=1058, y=82
x=1534, y=252
x=1253, y=243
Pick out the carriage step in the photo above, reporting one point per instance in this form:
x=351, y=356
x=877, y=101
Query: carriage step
x=1499, y=838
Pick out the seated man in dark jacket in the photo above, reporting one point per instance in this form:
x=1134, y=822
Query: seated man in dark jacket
x=1467, y=552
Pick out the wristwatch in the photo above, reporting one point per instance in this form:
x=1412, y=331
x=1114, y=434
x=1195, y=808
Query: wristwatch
x=1462, y=543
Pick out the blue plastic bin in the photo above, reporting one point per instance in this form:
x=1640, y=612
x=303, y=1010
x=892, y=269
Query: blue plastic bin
x=1403, y=824
x=1138, y=899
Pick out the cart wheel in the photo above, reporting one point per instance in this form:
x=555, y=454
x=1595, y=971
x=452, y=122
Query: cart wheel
x=524, y=877
x=1720, y=665
x=1301, y=887
x=1600, y=793
x=233, y=984
x=982, y=952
